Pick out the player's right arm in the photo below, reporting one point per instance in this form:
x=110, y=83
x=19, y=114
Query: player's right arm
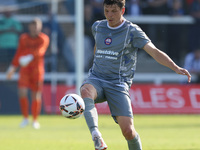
x=15, y=62
x=20, y=50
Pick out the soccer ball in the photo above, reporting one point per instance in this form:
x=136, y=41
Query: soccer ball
x=72, y=106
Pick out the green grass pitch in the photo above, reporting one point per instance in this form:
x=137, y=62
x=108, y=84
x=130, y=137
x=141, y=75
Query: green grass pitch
x=158, y=132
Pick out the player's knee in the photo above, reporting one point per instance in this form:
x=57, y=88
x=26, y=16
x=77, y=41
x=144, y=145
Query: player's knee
x=23, y=92
x=36, y=95
x=87, y=91
x=128, y=133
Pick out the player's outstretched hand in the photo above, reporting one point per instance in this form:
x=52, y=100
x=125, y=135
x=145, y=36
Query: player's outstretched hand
x=183, y=71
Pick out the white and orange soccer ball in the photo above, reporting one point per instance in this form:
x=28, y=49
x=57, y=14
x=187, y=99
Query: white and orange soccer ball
x=72, y=106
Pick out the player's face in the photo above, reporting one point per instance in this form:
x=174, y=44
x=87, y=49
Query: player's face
x=114, y=15
x=34, y=29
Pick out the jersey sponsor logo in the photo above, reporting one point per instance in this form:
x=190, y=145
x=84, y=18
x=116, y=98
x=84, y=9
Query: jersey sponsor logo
x=107, y=52
x=108, y=41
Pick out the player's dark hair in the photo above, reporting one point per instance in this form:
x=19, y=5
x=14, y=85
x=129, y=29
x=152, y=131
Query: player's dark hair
x=120, y=3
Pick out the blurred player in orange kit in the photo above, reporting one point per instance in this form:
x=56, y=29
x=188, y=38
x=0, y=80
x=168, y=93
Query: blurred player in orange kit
x=30, y=58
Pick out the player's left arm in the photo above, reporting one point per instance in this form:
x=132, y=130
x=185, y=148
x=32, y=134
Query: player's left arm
x=165, y=60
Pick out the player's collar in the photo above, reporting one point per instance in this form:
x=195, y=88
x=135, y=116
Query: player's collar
x=117, y=26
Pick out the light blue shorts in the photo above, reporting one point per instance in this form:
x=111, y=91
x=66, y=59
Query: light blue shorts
x=117, y=97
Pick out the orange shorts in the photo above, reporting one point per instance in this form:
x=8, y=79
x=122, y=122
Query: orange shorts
x=33, y=81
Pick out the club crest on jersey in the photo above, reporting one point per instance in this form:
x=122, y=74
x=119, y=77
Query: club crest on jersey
x=108, y=41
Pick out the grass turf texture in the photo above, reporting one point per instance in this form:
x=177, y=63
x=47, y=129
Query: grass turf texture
x=158, y=132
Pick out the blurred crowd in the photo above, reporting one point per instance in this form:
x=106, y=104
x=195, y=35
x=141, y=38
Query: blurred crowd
x=179, y=40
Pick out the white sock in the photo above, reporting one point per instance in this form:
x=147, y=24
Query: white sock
x=96, y=133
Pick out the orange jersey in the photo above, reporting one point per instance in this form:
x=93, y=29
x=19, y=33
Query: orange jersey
x=34, y=71
x=36, y=46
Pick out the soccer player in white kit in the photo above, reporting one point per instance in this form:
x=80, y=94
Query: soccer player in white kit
x=117, y=41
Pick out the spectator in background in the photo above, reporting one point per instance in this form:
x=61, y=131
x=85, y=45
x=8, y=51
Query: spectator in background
x=133, y=7
x=187, y=5
x=194, y=37
x=10, y=29
x=192, y=63
x=8, y=3
x=174, y=31
x=69, y=48
x=176, y=8
x=157, y=7
x=88, y=21
x=69, y=51
x=189, y=2
x=52, y=27
x=97, y=9
x=34, y=6
x=70, y=6
x=88, y=49
x=30, y=58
